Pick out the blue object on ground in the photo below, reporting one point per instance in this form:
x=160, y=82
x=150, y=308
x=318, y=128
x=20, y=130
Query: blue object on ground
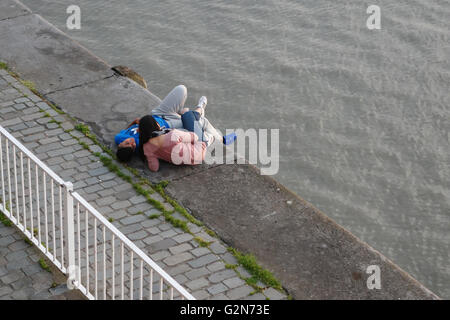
x=229, y=138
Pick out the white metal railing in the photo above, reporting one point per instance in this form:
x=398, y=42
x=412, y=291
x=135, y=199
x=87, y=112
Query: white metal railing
x=99, y=260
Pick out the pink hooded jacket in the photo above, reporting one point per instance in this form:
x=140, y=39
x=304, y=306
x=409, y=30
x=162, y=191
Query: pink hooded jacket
x=178, y=147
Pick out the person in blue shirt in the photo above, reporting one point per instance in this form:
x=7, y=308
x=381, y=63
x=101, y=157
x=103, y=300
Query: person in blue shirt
x=171, y=114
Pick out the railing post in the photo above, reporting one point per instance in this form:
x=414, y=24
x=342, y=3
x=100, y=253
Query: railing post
x=69, y=230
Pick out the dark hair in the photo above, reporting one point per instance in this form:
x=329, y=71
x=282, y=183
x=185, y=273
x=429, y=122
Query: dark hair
x=124, y=154
x=147, y=126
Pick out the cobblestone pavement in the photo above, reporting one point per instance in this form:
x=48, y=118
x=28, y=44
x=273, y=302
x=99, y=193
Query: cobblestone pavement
x=201, y=270
x=21, y=275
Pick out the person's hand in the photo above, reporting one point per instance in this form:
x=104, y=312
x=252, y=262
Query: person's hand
x=135, y=121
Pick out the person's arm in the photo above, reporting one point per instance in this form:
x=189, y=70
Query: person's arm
x=153, y=163
x=152, y=159
x=135, y=121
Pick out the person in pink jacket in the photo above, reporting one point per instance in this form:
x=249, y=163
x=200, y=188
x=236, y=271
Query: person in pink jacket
x=175, y=146
x=184, y=140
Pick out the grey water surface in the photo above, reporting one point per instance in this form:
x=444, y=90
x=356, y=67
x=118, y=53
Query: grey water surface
x=364, y=115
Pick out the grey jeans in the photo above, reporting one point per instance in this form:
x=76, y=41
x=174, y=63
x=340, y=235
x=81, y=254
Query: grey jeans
x=170, y=110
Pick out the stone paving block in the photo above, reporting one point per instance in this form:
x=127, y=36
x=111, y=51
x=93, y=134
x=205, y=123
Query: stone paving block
x=137, y=235
x=243, y=272
x=216, y=266
x=16, y=255
x=133, y=219
x=240, y=292
x=153, y=231
x=204, y=260
x=256, y=296
x=121, y=204
x=60, y=151
x=165, y=226
x=217, y=288
x=105, y=200
x=184, y=237
x=273, y=294
x=33, y=137
x=31, y=124
x=46, y=148
x=234, y=282
x=11, y=122
x=99, y=171
x=198, y=252
x=51, y=125
x=21, y=100
x=160, y=255
x=150, y=223
x=46, y=141
x=23, y=294
x=12, y=277
x=67, y=125
x=229, y=258
x=153, y=239
x=95, y=188
x=106, y=192
x=117, y=214
x=31, y=269
x=220, y=296
x=18, y=245
x=6, y=240
x=31, y=110
x=201, y=294
x=69, y=142
x=4, y=290
x=108, y=176
x=197, y=284
x=69, y=157
x=162, y=245
x=217, y=248
x=180, y=248
x=65, y=136
x=6, y=110
x=197, y=273
x=92, y=180
x=3, y=270
x=19, y=284
x=169, y=233
x=181, y=279
x=6, y=104
x=178, y=258
x=138, y=199
x=54, y=132
x=222, y=275
x=18, y=127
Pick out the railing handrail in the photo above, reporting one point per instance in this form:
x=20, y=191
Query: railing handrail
x=67, y=186
x=29, y=154
x=132, y=246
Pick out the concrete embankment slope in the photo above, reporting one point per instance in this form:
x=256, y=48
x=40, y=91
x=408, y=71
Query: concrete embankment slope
x=312, y=256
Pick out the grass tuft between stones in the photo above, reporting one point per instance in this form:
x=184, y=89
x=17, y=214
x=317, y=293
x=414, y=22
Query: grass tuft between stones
x=248, y=261
x=44, y=265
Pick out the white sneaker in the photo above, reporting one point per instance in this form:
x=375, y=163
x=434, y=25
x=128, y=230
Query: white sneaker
x=202, y=102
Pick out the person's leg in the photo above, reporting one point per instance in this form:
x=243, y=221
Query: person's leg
x=172, y=106
x=193, y=121
x=210, y=134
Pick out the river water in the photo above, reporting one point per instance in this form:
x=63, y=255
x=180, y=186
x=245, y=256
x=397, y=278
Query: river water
x=364, y=115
